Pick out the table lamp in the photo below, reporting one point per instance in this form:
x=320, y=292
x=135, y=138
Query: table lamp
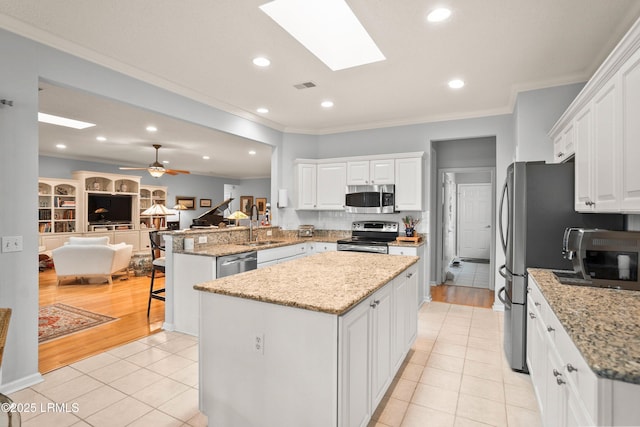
x=237, y=215
x=157, y=210
x=180, y=207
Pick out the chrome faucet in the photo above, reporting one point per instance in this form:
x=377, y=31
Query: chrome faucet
x=251, y=222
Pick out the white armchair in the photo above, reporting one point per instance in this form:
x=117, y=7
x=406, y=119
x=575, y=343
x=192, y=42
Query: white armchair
x=90, y=257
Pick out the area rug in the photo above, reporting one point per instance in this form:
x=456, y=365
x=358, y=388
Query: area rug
x=59, y=320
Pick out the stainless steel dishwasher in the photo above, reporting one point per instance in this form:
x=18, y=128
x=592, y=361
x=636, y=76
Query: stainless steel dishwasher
x=237, y=263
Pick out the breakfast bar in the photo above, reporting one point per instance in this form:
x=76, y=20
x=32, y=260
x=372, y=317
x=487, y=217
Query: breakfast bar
x=315, y=341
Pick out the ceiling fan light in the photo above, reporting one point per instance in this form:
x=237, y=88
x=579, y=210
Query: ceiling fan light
x=156, y=172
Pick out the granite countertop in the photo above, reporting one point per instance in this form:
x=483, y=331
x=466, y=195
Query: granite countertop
x=604, y=324
x=237, y=248
x=329, y=282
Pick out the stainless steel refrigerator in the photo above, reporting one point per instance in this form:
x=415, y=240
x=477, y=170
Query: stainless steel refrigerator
x=536, y=206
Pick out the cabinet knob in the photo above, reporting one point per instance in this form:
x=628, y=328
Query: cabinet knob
x=374, y=304
x=550, y=329
x=531, y=315
x=560, y=154
x=589, y=203
x=537, y=304
x=557, y=373
x=560, y=381
x=409, y=275
x=570, y=368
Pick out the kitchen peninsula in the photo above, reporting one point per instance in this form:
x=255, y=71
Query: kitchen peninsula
x=315, y=341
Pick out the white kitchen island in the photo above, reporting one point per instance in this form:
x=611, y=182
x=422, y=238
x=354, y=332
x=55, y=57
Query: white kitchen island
x=310, y=342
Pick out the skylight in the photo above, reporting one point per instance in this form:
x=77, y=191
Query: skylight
x=328, y=29
x=63, y=121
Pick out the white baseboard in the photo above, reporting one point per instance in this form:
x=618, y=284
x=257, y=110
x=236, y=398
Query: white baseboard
x=21, y=383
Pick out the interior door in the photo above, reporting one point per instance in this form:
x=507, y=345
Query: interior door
x=474, y=220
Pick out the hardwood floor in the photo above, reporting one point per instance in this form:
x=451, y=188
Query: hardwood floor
x=125, y=299
x=463, y=295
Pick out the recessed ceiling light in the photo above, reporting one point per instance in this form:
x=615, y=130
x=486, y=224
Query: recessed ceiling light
x=327, y=104
x=206, y=157
x=152, y=129
x=101, y=138
x=456, y=84
x=262, y=110
x=328, y=29
x=261, y=61
x=61, y=146
x=63, y=121
x=439, y=15
x=252, y=152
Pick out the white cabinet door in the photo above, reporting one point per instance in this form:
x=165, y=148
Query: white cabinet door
x=129, y=237
x=325, y=247
x=382, y=171
x=381, y=350
x=332, y=180
x=536, y=352
x=563, y=145
x=354, y=390
x=408, y=181
x=630, y=92
x=358, y=173
x=307, y=186
x=606, y=129
x=583, y=160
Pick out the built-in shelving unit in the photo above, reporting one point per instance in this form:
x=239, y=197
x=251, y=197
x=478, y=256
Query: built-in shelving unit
x=57, y=206
x=150, y=194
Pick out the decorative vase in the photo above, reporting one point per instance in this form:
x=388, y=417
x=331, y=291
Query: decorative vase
x=409, y=231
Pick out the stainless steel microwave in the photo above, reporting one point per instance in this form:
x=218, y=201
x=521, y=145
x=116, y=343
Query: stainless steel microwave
x=370, y=198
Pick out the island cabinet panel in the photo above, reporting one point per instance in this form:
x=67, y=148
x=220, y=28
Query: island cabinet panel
x=266, y=364
x=193, y=270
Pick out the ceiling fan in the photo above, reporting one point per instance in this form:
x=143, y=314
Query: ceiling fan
x=156, y=169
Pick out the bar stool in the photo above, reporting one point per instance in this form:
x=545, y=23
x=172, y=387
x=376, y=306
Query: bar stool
x=157, y=264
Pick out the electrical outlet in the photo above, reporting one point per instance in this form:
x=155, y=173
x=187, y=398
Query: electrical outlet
x=202, y=239
x=269, y=233
x=11, y=243
x=258, y=343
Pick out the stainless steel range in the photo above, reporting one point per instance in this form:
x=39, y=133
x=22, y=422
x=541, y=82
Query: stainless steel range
x=370, y=236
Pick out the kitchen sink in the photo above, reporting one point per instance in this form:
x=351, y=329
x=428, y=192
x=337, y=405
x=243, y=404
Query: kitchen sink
x=261, y=243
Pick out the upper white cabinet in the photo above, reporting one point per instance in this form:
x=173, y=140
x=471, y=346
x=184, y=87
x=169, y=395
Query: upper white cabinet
x=321, y=186
x=408, y=180
x=367, y=172
x=602, y=123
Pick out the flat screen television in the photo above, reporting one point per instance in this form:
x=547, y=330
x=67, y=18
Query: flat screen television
x=118, y=208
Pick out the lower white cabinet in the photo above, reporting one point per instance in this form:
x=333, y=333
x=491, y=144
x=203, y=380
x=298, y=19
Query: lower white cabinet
x=319, y=247
x=273, y=256
x=374, y=339
x=568, y=392
x=424, y=293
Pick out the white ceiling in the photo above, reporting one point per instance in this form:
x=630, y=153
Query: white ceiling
x=203, y=50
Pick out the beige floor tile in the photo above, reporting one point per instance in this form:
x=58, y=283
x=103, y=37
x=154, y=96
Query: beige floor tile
x=440, y=378
x=523, y=397
x=147, y=357
x=393, y=412
x=447, y=363
x=170, y=364
x=160, y=392
x=489, y=357
x=516, y=378
x=94, y=362
x=492, y=390
x=465, y=422
x=96, y=400
x=57, y=377
x=81, y=424
x=114, y=371
x=483, y=370
x=136, y=381
x=482, y=410
x=183, y=406
x=67, y=391
x=485, y=343
x=421, y=416
x=157, y=419
x=490, y=334
x=423, y=344
x=188, y=375
x=435, y=398
x=128, y=349
x=401, y=389
x=517, y=417
x=453, y=339
x=198, y=420
x=418, y=357
x=454, y=320
x=29, y=397
x=50, y=419
x=176, y=344
x=155, y=339
x=121, y=413
x=454, y=329
x=447, y=349
x=189, y=352
x=412, y=372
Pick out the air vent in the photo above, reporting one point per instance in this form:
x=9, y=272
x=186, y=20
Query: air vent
x=305, y=85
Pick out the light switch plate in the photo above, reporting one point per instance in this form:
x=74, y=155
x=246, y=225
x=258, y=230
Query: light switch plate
x=202, y=239
x=11, y=243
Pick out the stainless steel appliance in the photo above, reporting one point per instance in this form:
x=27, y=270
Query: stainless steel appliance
x=370, y=198
x=237, y=263
x=370, y=236
x=536, y=206
x=602, y=258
